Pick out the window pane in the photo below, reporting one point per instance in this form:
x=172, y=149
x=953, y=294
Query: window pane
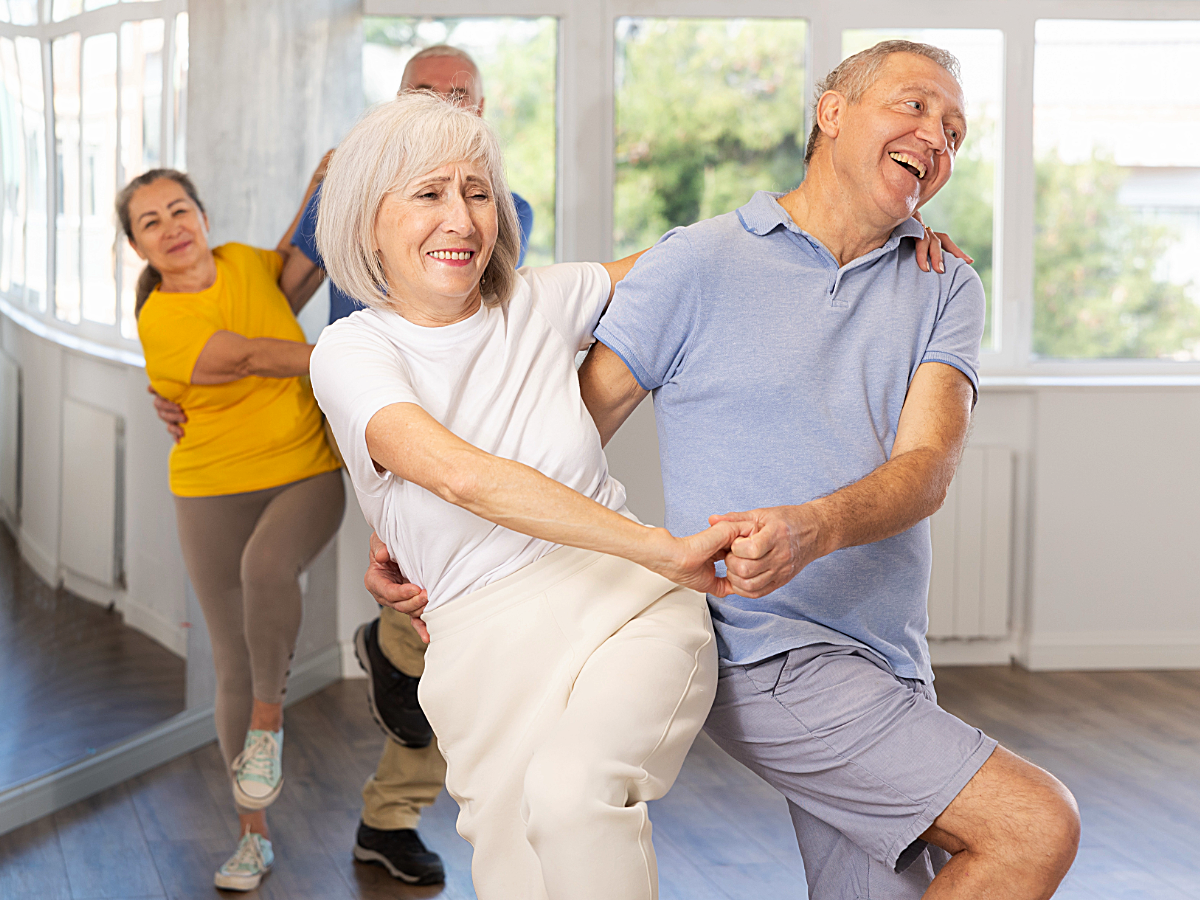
x=12, y=168
x=965, y=207
x=64, y=9
x=518, y=61
x=179, y=77
x=64, y=53
x=1117, y=247
x=96, y=4
x=99, y=130
x=141, y=96
x=708, y=111
x=23, y=12
x=29, y=63
x=141, y=134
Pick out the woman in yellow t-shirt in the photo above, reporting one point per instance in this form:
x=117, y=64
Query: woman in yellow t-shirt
x=258, y=491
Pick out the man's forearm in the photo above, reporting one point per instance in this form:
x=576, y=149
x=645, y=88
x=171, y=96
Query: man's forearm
x=893, y=498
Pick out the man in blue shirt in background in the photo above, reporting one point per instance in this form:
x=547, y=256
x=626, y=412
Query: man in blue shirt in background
x=444, y=70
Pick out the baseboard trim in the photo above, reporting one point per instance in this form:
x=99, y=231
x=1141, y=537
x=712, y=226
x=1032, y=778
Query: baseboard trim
x=178, y=735
x=979, y=652
x=350, y=666
x=1094, y=651
x=155, y=625
x=45, y=564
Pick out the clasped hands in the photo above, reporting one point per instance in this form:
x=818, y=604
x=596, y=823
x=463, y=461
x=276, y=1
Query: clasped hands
x=763, y=549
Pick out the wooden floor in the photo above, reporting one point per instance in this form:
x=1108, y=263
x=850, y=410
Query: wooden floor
x=73, y=677
x=1127, y=744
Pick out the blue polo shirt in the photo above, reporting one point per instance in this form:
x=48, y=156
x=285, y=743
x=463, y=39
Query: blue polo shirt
x=779, y=377
x=342, y=304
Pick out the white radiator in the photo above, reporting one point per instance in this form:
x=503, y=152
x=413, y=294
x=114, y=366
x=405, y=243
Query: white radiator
x=10, y=441
x=92, y=530
x=969, y=588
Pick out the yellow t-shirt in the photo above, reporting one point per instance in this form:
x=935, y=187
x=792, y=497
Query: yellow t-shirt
x=250, y=434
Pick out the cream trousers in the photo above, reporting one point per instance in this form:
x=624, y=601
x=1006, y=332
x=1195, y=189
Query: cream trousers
x=564, y=697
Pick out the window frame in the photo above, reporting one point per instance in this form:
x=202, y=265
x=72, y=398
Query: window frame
x=586, y=158
x=103, y=340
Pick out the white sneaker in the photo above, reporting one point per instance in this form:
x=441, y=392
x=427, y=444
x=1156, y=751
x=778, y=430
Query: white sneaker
x=250, y=862
x=258, y=770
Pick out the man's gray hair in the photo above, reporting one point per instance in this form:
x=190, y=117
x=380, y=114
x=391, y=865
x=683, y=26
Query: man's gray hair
x=441, y=50
x=856, y=74
x=393, y=144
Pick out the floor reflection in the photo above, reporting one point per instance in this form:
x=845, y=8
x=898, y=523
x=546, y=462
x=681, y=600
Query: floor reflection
x=74, y=677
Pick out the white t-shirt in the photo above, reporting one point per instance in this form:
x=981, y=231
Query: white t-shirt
x=503, y=380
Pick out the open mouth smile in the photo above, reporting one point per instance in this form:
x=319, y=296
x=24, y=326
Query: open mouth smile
x=911, y=163
x=452, y=255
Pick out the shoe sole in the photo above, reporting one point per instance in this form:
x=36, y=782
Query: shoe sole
x=241, y=798
x=364, y=663
x=238, y=882
x=363, y=855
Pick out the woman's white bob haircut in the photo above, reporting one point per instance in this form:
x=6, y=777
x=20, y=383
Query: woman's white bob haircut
x=394, y=143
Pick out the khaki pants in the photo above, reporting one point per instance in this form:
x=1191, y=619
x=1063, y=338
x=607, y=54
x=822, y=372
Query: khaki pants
x=406, y=780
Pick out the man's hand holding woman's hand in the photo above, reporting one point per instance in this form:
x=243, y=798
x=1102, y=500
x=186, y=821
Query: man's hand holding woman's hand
x=773, y=545
x=387, y=584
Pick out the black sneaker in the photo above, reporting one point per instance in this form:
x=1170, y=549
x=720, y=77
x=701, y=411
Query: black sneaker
x=401, y=853
x=391, y=694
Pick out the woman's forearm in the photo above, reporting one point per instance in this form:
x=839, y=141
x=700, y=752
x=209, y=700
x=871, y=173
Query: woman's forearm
x=407, y=441
x=229, y=357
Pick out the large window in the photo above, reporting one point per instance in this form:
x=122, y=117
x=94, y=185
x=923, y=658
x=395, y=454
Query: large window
x=707, y=111
x=22, y=172
x=965, y=208
x=1117, y=144
x=116, y=108
x=518, y=61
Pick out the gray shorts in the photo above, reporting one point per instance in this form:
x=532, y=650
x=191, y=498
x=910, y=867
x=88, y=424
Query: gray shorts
x=865, y=759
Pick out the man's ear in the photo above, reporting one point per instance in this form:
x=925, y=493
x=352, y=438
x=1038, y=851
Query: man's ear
x=830, y=110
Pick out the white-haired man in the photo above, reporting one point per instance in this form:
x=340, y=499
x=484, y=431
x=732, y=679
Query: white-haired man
x=804, y=370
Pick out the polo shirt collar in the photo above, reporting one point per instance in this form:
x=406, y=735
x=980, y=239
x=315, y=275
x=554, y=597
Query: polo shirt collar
x=763, y=214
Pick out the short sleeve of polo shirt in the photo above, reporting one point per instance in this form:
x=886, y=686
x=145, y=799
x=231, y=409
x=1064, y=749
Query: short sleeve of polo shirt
x=958, y=330
x=653, y=311
x=571, y=296
x=356, y=372
x=305, y=235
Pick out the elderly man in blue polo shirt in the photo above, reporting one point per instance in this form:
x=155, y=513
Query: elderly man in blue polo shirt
x=808, y=375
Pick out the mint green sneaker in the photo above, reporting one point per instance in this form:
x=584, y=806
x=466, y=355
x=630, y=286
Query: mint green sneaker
x=250, y=862
x=258, y=770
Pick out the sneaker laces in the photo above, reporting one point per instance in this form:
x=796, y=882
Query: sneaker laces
x=259, y=758
x=248, y=857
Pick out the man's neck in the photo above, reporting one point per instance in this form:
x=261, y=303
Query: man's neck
x=822, y=208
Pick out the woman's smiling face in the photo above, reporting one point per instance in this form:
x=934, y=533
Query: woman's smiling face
x=435, y=237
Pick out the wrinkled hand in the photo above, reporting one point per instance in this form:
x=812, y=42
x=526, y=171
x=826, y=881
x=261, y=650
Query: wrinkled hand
x=171, y=413
x=387, y=584
x=930, y=250
x=774, y=544
x=694, y=562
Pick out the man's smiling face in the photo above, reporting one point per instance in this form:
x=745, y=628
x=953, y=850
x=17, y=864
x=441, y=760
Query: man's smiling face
x=895, y=147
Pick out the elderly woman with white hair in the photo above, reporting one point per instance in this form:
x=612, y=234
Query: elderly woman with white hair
x=571, y=660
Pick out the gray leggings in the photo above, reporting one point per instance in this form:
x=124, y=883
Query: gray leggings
x=244, y=554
